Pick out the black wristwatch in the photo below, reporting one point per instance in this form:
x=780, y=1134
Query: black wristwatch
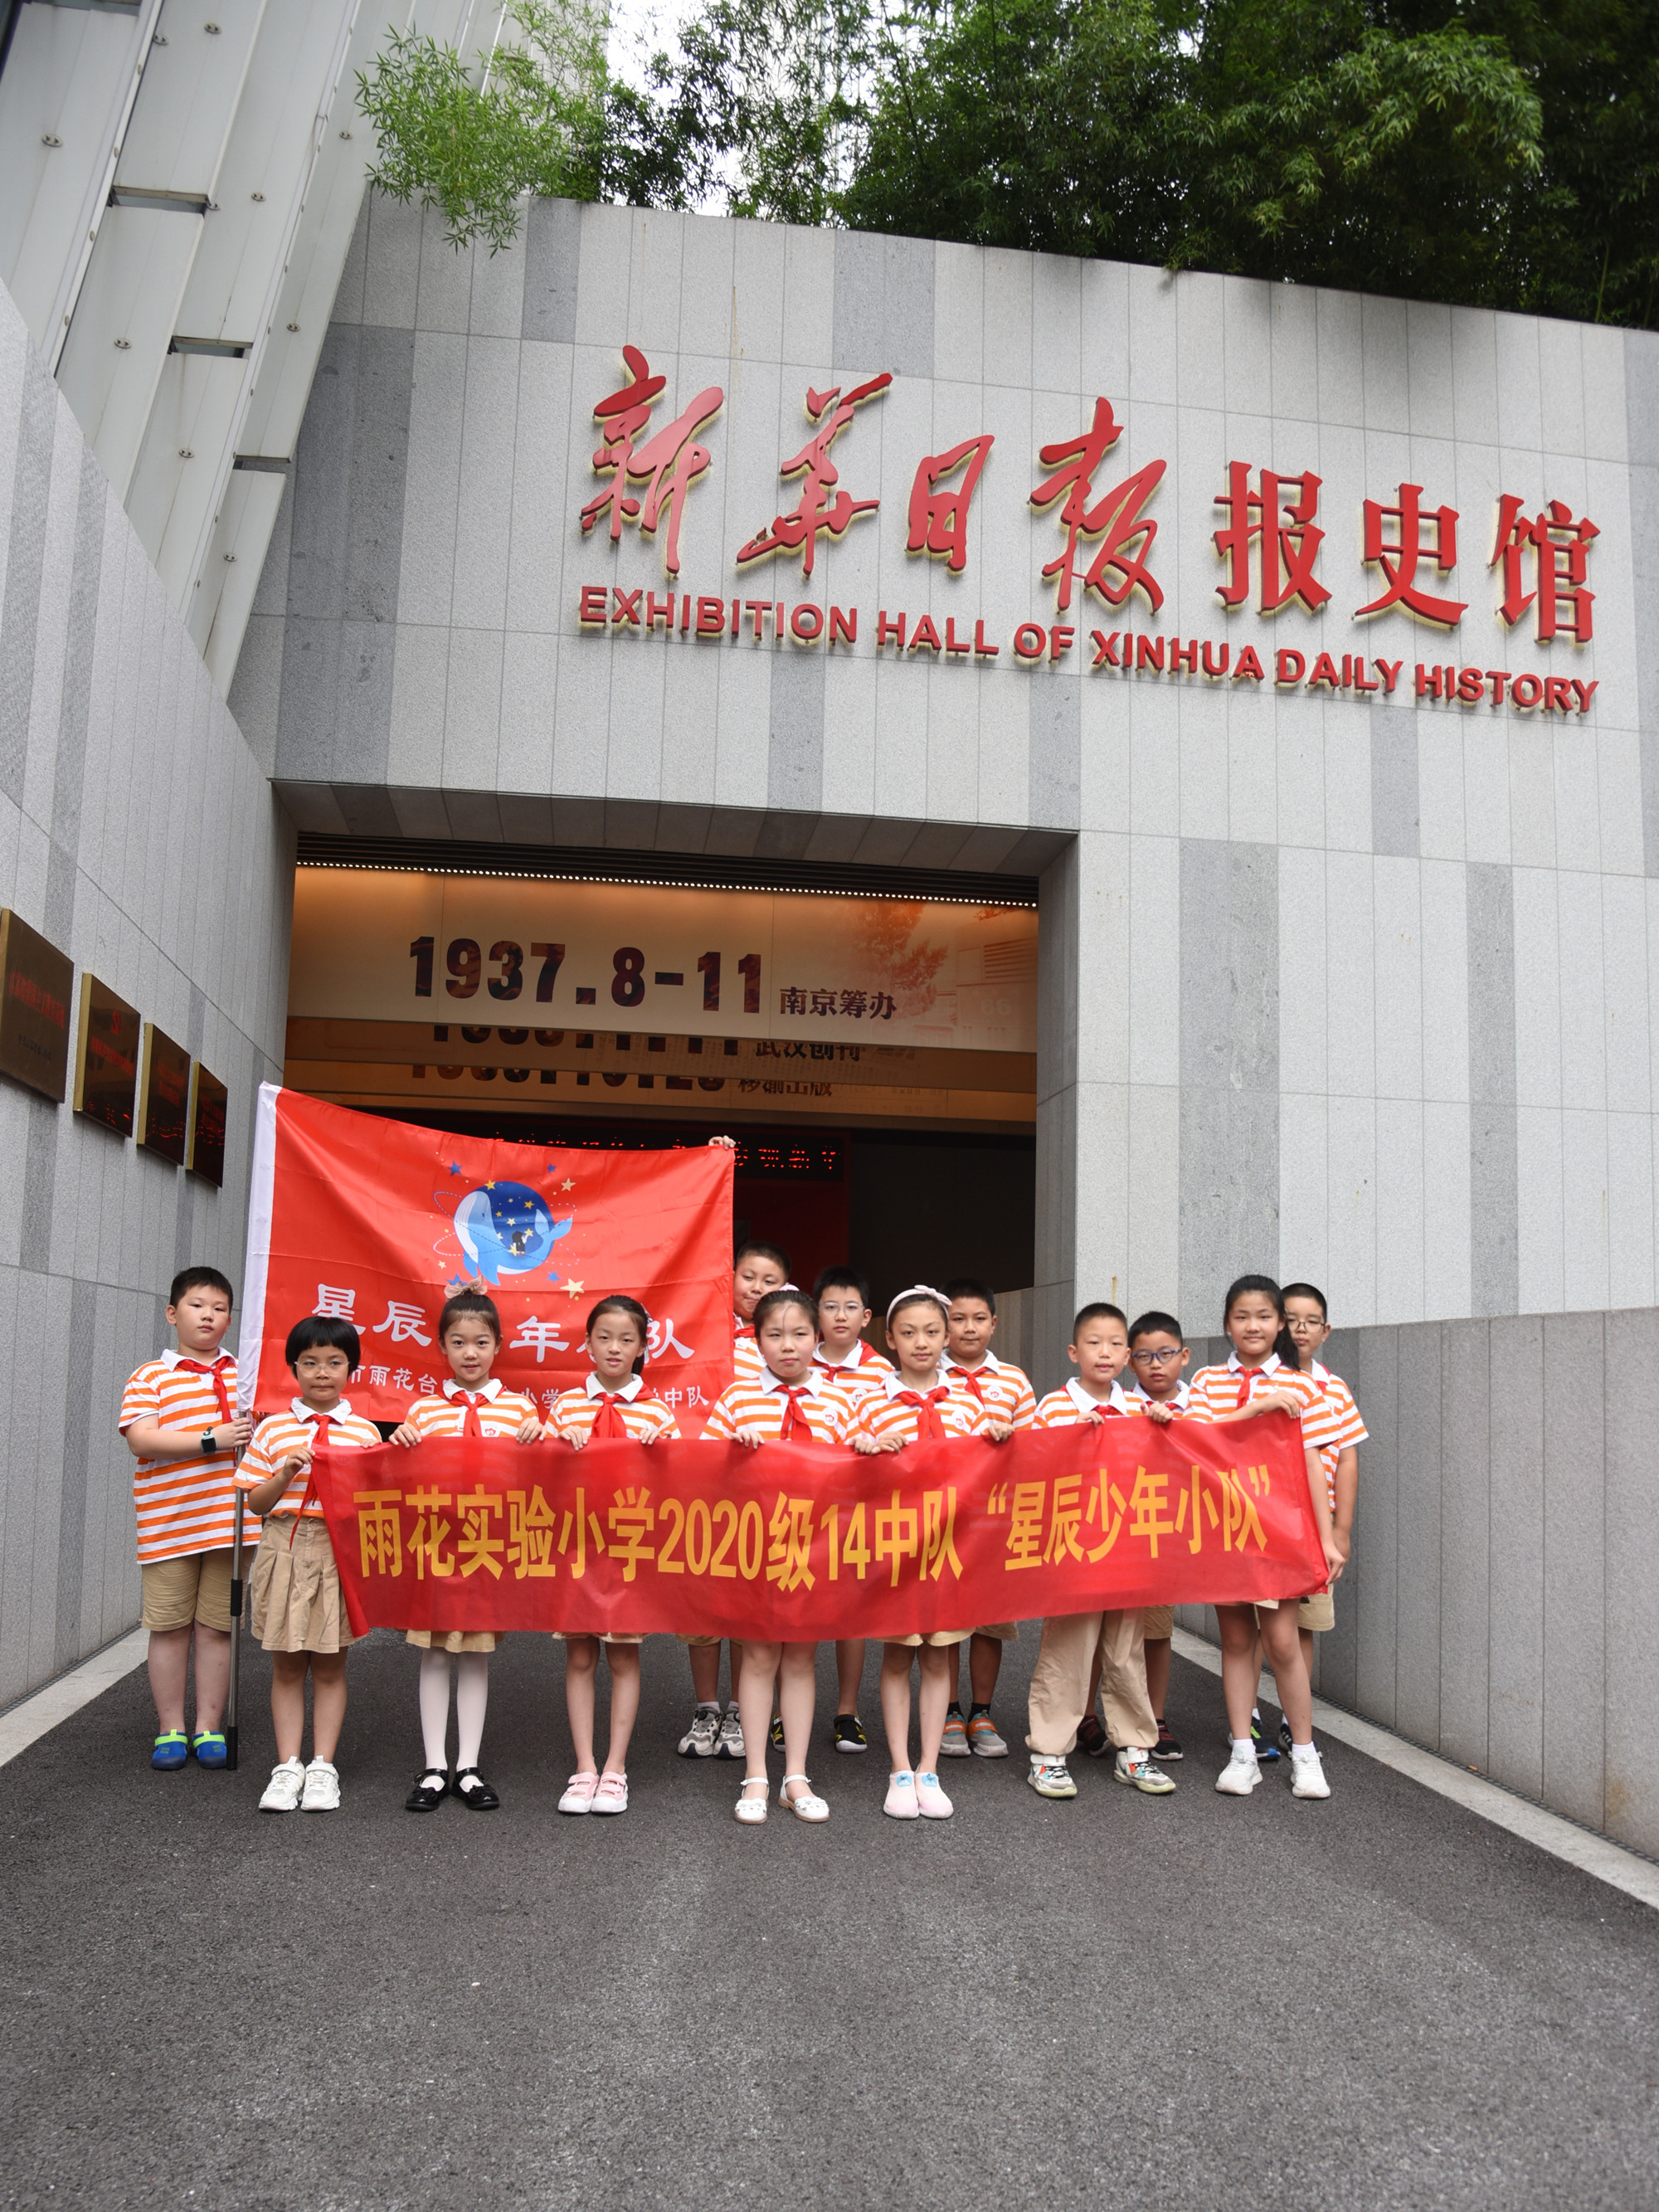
x=208, y=1447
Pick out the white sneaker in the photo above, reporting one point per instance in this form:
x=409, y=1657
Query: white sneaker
x=700, y=1739
x=931, y=1802
x=900, y=1801
x=729, y=1744
x=322, y=1790
x=1240, y=1775
x=284, y=1790
x=1308, y=1775
x=1050, y=1776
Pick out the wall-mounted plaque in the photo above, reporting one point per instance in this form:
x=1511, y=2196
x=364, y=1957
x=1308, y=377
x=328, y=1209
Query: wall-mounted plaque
x=36, y=982
x=208, y=1101
x=106, y=1057
x=163, y=1096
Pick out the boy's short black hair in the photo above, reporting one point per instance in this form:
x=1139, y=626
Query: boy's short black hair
x=469, y=1305
x=1099, y=1311
x=1309, y=1290
x=324, y=1332
x=842, y=1278
x=200, y=1278
x=774, y=1253
x=970, y=1286
x=1158, y=1324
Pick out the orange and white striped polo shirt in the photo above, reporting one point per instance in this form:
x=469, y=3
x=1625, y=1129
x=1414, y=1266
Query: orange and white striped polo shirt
x=644, y=1416
x=887, y=1412
x=282, y=1436
x=1002, y=1389
x=1219, y=1390
x=501, y=1412
x=862, y=1370
x=822, y=1406
x=746, y=1361
x=185, y=1505
x=1066, y=1407
x=1339, y=1426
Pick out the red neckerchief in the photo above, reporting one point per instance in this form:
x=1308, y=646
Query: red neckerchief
x=926, y=1402
x=1246, y=1376
x=310, y=1489
x=794, y=1417
x=970, y=1376
x=217, y=1372
x=609, y=1421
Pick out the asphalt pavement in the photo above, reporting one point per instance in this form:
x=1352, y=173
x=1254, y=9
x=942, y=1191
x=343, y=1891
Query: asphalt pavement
x=1376, y=2001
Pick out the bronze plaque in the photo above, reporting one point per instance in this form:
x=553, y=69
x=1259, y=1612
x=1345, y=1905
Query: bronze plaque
x=163, y=1096
x=106, y=1057
x=208, y=1101
x=36, y=982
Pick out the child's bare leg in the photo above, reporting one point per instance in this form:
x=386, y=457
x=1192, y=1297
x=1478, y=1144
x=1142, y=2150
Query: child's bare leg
x=328, y=1701
x=798, y=1695
x=759, y=1672
x=1240, y=1670
x=624, y=1661
x=288, y=1701
x=169, y=1660
x=1306, y=1636
x=581, y=1663
x=1158, y=1676
x=212, y=1676
x=705, y=1673
x=1283, y=1641
x=938, y=1665
x=896, y=1703
x=849, y=1672
x=984, y=1665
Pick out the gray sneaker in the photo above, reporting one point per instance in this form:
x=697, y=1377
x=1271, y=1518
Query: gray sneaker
x=700, y=1739
x=1050, y=1776
x=730, y=1745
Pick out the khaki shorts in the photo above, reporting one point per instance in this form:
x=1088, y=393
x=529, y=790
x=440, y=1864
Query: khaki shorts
x=177, y=1592
x=940, y=1639
x=560, y=1635
x=294, y=1589
x=702, y=1643
x=1002, y=1631
x=1159, y=1623
x=1317, y=1612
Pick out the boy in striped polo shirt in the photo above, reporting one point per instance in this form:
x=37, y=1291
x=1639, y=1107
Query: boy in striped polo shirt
x=178, y=1417
x=1005, y=1391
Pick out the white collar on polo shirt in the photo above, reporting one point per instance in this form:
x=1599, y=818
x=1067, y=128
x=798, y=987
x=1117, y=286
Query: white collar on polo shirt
x=892, y=1382
x=629, y=1390
x=1318, y=1372
x=1237, y=1365
x=301, y=1412
x=990, y=1363
x=813, y=1381
x=171, y=1358
x=859, y=1356
x=491, y=1390
x=1183, y=1392
x=1086, y=1402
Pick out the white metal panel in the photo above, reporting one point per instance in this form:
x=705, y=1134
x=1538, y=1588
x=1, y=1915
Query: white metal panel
x=122, y=327
x=66, y=80
x=193, y=80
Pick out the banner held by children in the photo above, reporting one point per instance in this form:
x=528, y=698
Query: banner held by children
x=379, y=1222
x=795, y=1543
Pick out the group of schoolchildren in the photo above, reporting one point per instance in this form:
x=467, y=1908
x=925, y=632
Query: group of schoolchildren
x=802, y=1369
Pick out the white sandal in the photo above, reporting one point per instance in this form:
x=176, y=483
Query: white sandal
x=751, y=1811
x=807, y=1806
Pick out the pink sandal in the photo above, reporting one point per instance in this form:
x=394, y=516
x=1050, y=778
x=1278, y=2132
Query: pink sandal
x=579, y=1793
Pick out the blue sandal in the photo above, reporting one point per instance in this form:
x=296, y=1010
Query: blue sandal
x=209, y=1747
x=171, y=1750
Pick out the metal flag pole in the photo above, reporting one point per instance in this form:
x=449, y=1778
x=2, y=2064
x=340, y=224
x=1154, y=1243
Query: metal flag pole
x=235, y=1629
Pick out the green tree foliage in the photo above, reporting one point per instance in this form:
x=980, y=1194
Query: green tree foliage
x=1495, y=152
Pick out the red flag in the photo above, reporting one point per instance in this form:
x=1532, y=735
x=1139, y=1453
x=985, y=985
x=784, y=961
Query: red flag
x=379, y=1221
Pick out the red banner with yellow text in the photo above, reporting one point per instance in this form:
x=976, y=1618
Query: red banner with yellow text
x=798, y=1542
x=380, y=1221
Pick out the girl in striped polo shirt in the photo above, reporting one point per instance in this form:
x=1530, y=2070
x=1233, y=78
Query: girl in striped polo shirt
x=613, y=1401
x=791, y=1400
x=919, y=1403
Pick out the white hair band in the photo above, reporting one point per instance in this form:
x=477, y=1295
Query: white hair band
x=920, y=1291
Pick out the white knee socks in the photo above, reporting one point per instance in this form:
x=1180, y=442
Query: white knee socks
x=471, y=1697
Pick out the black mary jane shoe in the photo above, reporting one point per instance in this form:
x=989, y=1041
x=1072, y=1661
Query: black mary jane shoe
x=431, y=1787
x=480, y=1798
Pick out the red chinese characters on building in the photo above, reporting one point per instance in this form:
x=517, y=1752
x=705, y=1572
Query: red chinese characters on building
x=668, y=465
x=939, y=518
x=1125, y=534
x=814, y=510
x=1398, y=540
x=1289, y=538
x=1558, y=548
